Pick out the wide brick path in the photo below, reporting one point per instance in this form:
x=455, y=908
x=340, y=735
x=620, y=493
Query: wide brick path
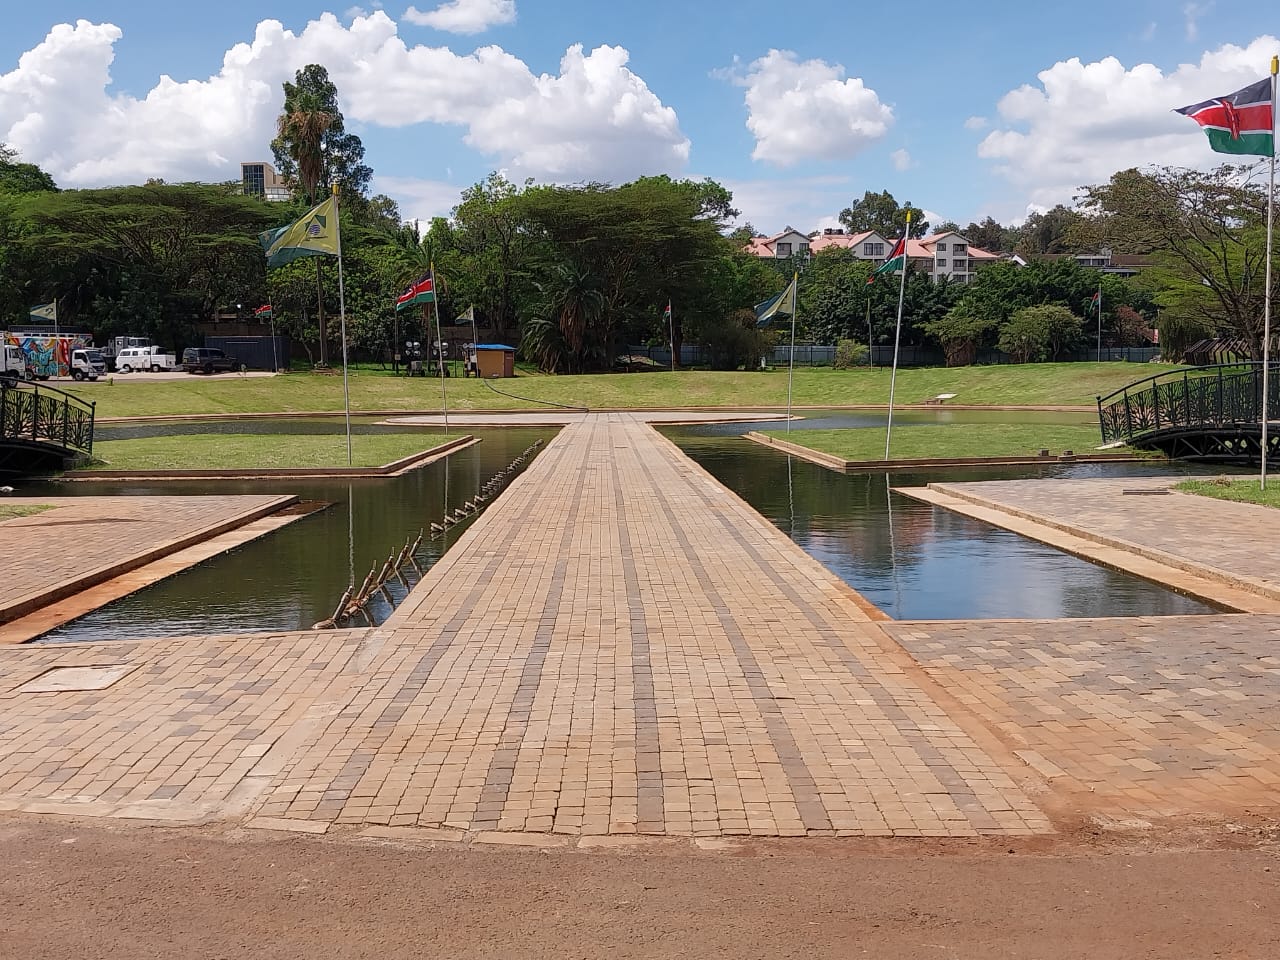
x=621, y=645
x=618, y=645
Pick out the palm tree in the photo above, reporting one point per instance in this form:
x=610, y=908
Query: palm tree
x=574, y=300
x=300, y=129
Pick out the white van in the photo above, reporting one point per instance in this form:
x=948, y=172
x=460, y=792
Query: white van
x=144, y=358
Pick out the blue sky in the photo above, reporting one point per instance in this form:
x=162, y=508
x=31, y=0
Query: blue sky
x=965, y=110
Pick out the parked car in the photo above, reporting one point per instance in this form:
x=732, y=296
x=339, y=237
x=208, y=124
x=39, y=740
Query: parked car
x=208, y=360
x=144, y=358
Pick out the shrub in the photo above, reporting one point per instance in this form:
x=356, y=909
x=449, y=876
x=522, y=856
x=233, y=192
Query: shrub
x=849, y=354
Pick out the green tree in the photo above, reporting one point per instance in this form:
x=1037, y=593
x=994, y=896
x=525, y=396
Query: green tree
x=991, y=235
x=961, y=331
x=1039, y=333
x=1206, y=235
x=313, y=151
x=882, y=213
x=17, y=177
x=1048, y=232
x=148, y=260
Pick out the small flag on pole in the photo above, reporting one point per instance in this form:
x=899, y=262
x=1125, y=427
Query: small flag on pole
x=666, y=314
x=314, y=234
x=422, y=290
x=1095, y=300
x=1242, y=122
x=784, y=305
x=46, y=311
x=897, y=260
x=264, y=312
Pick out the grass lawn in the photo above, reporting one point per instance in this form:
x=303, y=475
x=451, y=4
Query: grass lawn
x=13, y=511
x=1064, y=384
x=221, y=451
x=950, y=440
x=1241, y=491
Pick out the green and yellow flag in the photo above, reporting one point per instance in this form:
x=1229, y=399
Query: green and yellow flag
x=314, y=234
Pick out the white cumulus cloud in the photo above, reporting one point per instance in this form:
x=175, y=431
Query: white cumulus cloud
x=975, y=123
x=1084, y=121
x=901, y=160
x=419, y=199
x=465, y=16
x=595, y=120
x=801, y=110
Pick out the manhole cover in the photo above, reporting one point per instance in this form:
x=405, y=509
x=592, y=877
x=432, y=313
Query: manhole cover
x=68, y=679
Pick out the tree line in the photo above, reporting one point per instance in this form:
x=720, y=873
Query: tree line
x=575, y=274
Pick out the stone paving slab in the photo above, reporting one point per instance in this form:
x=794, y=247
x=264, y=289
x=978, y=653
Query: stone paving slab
x=86, y=540
x=194, y=728
x=1138, y=717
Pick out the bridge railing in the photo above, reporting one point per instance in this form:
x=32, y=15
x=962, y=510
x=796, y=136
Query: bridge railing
x=44, y=414
x=1216, y=396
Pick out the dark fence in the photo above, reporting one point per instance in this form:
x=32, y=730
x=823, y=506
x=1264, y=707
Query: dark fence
x=258, y=353
x=37, y=413
x=822, y=355
x=1213, y=397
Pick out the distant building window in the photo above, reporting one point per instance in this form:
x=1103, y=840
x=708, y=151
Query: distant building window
x=959, y=247
x=802, y=248
x=784, y=249
x=255, y=180
x=959, y=265
x=873, y=249
x=942, y=264
x=943, y=247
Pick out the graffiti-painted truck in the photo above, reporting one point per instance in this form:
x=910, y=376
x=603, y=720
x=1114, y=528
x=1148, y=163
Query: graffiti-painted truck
x=72, y=355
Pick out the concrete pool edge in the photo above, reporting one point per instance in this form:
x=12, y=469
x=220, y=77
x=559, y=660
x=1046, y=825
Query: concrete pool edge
x=1233, y=594
x=840, y=465
x=395, y=468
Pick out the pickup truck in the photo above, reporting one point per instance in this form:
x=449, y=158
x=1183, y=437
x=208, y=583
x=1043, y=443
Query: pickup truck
x=208, y=360
x=144, y=358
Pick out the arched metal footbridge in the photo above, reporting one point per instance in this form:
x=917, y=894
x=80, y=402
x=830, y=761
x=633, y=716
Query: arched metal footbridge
x=1209, y=413
x=42, y=428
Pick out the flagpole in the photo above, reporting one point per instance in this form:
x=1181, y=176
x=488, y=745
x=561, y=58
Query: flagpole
x=1099, y=317
x=871, y=357
x=475, y=337
x=671, y=334
x=342, y=313
x=444, y=394
x=897, y=332
x=275, y=356
x=1266, y=309
x=791, y=368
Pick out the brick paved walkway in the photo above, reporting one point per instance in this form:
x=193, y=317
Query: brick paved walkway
x=1143, y=717
x=620, y=645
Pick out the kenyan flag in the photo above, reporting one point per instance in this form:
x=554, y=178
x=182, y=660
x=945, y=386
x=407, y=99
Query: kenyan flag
x=263, y=312
x=422, y=290
x=897, y=260
x=1242, y=122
